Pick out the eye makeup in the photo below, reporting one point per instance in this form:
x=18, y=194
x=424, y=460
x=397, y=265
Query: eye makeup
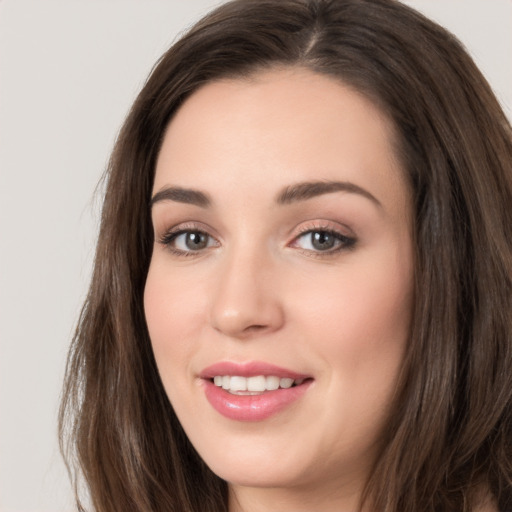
x=313, y=239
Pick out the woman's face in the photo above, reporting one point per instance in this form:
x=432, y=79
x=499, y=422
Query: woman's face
x=283, y=257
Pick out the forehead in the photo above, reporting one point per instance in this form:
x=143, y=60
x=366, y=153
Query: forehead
x=276, y=127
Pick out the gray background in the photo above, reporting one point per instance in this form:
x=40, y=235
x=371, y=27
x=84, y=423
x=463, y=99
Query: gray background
x=69, y=71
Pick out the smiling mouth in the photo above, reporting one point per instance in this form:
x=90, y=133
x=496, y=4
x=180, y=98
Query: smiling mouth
x=252, y=391
x=256, y=385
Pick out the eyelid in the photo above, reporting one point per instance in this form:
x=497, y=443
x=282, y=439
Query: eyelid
x=187, y=226
x=169, y=235
x=347, y=241
x=344, y=235
x=323, y=225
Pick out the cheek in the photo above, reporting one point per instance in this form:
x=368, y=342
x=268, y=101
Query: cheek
x=360, y=317
x=368, y=302
x=173, y=309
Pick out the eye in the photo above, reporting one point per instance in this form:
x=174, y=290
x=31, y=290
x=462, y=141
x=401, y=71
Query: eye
x=323, y=240
x=185, y=242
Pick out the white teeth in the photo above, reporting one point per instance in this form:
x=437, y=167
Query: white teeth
x=286, y=383
x=253, y=385
x=238, y=384
x=256, y=383
x=272, y=383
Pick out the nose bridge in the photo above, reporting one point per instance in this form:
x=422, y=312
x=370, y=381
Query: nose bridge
x=246, y=299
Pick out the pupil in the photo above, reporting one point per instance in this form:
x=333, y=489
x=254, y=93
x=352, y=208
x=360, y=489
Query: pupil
x=322, y=240
x=196, y=241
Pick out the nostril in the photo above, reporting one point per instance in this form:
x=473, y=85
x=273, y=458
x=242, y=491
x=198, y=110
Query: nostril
x=255, y=327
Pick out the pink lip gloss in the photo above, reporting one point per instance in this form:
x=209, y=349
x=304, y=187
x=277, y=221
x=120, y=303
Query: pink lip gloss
x=252, y=407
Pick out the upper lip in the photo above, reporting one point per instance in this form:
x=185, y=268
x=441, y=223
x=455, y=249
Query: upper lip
x=249, y=369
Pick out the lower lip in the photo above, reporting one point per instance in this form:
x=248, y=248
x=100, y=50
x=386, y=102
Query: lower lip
x=252, y=407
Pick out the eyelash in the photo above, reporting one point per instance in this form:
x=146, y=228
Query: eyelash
x=170, y=236
x=344, y=242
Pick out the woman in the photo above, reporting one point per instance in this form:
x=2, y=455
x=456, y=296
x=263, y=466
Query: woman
x=302, y=292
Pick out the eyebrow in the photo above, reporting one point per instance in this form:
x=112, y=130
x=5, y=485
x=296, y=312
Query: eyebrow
x=290, y=194
x=309, y=189
x=181, y=195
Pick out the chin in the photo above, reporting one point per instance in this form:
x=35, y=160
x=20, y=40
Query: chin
x=273, y=463
x=251, y=475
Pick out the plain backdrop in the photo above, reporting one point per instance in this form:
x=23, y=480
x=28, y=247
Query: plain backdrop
x=69, y=71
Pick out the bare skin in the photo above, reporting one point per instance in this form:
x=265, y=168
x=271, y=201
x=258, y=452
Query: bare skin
x=263, y=266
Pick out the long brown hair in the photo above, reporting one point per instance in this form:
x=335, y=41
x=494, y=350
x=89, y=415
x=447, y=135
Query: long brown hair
x=450, y=432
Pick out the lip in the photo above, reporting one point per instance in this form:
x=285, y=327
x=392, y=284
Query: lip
x=249, y=369
x=251, y=407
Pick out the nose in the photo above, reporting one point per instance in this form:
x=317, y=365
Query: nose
x=246, y=302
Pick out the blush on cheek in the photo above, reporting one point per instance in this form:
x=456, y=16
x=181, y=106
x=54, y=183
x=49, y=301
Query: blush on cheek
x=173, y=312
x=167, y=302
x=161, y=315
